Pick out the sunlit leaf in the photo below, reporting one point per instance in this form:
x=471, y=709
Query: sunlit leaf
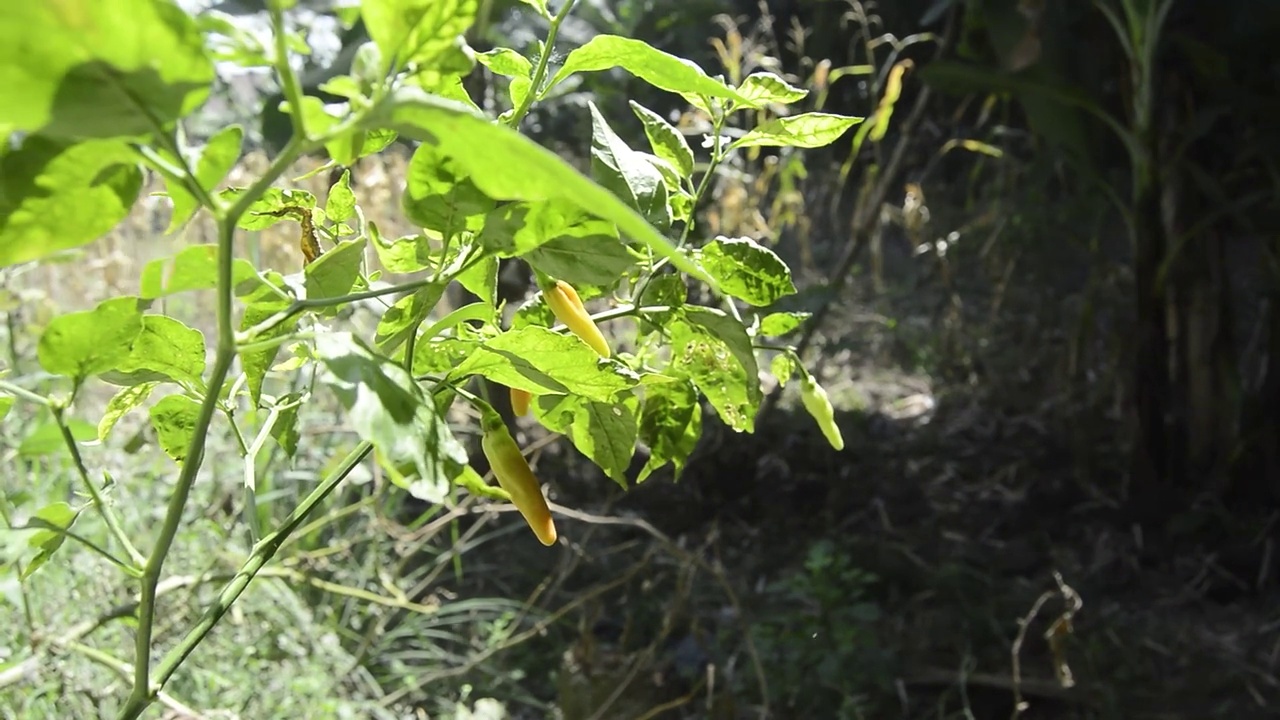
x=99, y=68
x=400, y=320
x=781, y=323
x=747, y=270
x=714, y=351
x=604, y=432
x=340, y=206
x=418, y=31
x=762, y=88
x=667, y=142
x=174, y=419
x=59, y=515
x=56, y=196
x=164, y=350
x=662, y=70
x=627, y=173
x=193, y=268
x=809, y=130
x=506, y=165
x=121, y=403
x=86, y=343
x=387, y=408
x=544, y=362
x=336, y=272
x=216, y=159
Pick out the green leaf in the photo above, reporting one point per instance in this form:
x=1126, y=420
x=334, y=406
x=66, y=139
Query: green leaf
x=416, y=31
x=174, y=419
x=544, y=362
x=670, y=425
x=604, y=432
x=809, y=130
x=6, y=404
x=341, y=203
x=533, y=311
x=261, y=304
x=46, y=438
x=539, y=6
x=508, y=62
x=482, y=279
x=336, y=272
x=259, y=215
x=762, y=88
x=403, y=255
x=56, y=196
x=402, y=319
x=194, y=268
x=518, y=228
x=285, y=431
x=99, y=68
x=505, y=61
x=349, y=147
x=599, y=260
x=781, y=323
x=714, y=351
x=627, y=174
x=783, y=367
x=121, y=403
x=216, y=159
x=387, y=408
x=59, y=515
x=506, y=165
x=165, y=350
x=660, y=69
x=441, y=355
x=439, y=195
x=667, y=142
x=747, y=270
x=86, y=343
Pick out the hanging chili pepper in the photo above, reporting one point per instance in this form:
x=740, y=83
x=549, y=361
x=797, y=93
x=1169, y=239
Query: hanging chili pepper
x=514, y=475
x=568, y=309
x=520, y=400
x=819, y=406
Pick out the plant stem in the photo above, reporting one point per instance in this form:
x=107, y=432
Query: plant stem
x=540, y=72
x=20, y=392
x=99, y=503
x=288, y=80
x=142, y=694
x=262, y=553
x=298, y=306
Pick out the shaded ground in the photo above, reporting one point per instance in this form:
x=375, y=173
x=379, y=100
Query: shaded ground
x=959, y=503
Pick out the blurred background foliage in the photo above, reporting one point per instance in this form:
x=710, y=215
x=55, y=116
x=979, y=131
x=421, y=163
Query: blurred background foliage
x=1044, y=277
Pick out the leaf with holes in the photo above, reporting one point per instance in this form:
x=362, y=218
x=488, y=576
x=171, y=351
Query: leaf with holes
x=809, y=130
x=747, y=270
x=604, y=432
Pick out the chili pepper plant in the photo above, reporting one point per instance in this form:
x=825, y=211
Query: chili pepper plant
x=97, y=93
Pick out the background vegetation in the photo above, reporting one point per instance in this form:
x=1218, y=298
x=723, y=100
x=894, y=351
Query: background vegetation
x=1044, y=277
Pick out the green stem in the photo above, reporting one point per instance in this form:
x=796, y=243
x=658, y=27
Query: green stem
x=261, y=555
x=717, y=156
x=20, y=392
x=143, y=694
x=540, y=72
x=288, y=80
x=99, y=503
x=68, y=534
x=298, y=306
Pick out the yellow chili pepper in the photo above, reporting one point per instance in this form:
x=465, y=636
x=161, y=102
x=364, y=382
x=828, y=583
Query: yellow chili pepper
x=568, y=309
x=520, y=400
x=514, y=475
x=819, y=406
